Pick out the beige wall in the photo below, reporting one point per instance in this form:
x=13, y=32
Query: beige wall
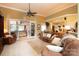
x=58, y=18
x=12, y=14
x=78, y=20
x=71, y=19
x=16, y=15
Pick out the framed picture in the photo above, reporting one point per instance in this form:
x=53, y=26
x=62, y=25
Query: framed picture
x=38, y=26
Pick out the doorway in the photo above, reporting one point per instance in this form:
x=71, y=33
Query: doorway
x=32, y=29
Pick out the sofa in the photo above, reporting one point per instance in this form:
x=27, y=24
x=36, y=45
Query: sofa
x=10, y=38
x=49, y=36
x=70, y=48
x=45, y=36
x=1, y=45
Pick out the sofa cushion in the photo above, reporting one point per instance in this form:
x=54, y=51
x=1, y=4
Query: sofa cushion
x=72, y=49
x=66, y=42
x=73, y=44
x=54, y=48
x=44, y=34
x=71, y=52
x=46, y=52
x=48, y=35
x=9, y=36
x=67, y=39
x=56, y=41
x=68, y=36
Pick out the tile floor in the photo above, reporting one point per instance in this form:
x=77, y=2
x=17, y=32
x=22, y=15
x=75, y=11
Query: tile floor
x=19, y=48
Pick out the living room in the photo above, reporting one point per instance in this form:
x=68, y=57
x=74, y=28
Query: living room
x=30, y=29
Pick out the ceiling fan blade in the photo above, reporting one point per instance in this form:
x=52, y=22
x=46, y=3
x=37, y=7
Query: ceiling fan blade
x=34, y=12
x=30, y=14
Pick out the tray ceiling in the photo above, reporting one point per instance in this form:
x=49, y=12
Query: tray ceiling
x=43, y=9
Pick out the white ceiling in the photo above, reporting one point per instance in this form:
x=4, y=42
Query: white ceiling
x=43, y=9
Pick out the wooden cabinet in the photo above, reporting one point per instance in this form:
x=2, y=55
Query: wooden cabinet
x=1, y=32
x=1, y=26
x=1, y=46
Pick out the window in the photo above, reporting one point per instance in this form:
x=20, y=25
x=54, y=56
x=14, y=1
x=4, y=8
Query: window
x=16, y=26
x=13, y=26
x=21, y=28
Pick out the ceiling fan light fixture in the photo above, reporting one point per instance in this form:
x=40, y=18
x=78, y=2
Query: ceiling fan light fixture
x=30, y=13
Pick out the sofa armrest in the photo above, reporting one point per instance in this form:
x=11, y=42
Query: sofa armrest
x=46, y=52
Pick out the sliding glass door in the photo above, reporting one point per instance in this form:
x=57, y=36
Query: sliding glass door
x=23, y=28
x=32, y=29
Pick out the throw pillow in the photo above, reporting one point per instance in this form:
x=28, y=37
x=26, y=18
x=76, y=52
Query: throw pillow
x=48, y=35
x=56, y=41
x=54, y=48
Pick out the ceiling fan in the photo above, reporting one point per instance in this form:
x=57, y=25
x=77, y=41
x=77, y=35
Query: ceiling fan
x=30, y=13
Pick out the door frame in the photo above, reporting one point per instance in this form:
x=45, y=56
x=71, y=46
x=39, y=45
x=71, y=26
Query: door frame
x=35, y=29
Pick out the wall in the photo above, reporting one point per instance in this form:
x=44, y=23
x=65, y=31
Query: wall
x=10, y=14
x=71, y=19
x=16, y=15
x=78, y=20
x=58, y=18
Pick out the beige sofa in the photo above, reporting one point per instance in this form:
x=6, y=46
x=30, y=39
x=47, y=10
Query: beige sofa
x=71, y=48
